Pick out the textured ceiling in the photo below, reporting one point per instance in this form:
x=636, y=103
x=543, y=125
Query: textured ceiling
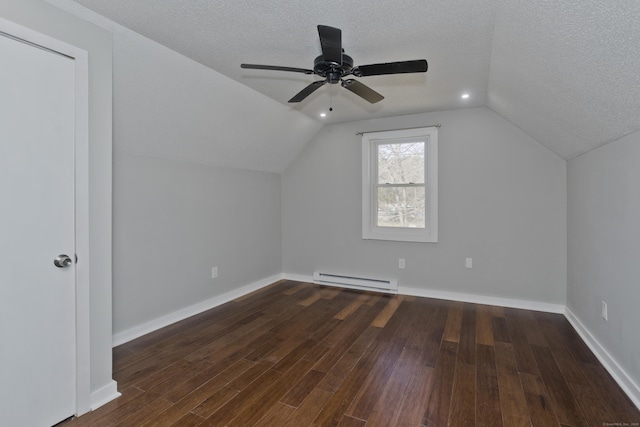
x=454, y=37
x=567, y=72
x=564, y=71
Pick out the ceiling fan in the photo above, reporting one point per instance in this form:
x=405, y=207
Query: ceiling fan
x=333, y=65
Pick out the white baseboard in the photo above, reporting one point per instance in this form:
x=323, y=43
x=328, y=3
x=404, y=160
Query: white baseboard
x=460, y=296
x=104, y=395
x=155, y=324
x=297, y=277
x=483, y=299
x=610, y=364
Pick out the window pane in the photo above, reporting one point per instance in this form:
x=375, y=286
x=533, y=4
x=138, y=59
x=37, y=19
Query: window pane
x=401, y=207
x=401, y=163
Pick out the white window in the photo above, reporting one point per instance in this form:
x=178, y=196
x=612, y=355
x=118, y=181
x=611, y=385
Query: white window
x=400, y=185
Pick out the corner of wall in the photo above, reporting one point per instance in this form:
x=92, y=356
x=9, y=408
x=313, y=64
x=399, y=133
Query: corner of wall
x=623, y=379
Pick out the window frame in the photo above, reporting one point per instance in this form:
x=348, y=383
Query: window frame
x=370, y=142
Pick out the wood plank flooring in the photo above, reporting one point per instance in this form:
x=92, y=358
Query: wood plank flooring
x=295, y=354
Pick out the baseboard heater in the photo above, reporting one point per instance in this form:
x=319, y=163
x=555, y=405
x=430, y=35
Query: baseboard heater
x=351, y=282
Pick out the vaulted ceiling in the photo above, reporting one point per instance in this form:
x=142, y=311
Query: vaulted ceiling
x=566, y=72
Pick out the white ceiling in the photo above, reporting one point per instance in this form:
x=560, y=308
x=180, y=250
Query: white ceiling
x=566, y=71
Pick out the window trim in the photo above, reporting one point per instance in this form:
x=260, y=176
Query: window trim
x=370, y=229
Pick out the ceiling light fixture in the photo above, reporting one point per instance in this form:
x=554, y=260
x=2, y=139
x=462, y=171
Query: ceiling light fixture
x=323, y=114
x=465, y=96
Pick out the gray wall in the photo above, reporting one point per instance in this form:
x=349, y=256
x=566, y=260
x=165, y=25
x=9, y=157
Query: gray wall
x=173, y=221
x=181, y=204
x=196, y=183
x=171, y=107
x=502, y=202
x=48, y=20
x=604, y=244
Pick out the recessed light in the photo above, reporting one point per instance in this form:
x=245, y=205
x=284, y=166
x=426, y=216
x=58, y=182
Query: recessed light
x=465, y=96
x=323, y=114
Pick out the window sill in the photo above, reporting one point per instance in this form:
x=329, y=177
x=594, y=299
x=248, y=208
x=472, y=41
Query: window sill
x=400, y=235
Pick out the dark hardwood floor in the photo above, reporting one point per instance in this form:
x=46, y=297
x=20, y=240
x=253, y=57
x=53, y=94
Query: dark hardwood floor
x=296, y=354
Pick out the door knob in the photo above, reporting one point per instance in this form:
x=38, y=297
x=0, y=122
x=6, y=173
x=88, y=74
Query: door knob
x=62, y=261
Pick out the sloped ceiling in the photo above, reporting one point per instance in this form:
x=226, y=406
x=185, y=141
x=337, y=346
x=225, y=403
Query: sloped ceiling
x=566, y=72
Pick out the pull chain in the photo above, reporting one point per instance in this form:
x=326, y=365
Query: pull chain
x=330, y=98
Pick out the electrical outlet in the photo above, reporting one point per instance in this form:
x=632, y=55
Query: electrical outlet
x=468, y=263
x=605, y=315
x=214, y=272
x=401, y=263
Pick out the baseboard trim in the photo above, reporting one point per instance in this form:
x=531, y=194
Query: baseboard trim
x=625, y=382
x=155, y=324
x=104, y=395
x=298, y=277
x=460, y=296
x=483, y=299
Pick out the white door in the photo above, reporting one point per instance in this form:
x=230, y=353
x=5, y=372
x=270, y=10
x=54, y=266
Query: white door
x=37, y=299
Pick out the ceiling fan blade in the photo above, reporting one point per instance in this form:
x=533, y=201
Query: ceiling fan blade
x=331, y=43
x=275, y=68
x=307, y=91
x=362, y=90
x=416, y=66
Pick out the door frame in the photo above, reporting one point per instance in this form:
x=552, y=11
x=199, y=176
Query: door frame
x=81, y=161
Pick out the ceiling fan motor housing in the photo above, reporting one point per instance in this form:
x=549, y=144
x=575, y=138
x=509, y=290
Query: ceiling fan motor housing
x=333, y=65
x=332, y=71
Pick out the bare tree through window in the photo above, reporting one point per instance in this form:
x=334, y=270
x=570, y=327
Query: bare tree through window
x=401, y=185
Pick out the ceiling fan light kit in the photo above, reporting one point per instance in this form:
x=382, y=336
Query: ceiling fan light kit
x=334, y=65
